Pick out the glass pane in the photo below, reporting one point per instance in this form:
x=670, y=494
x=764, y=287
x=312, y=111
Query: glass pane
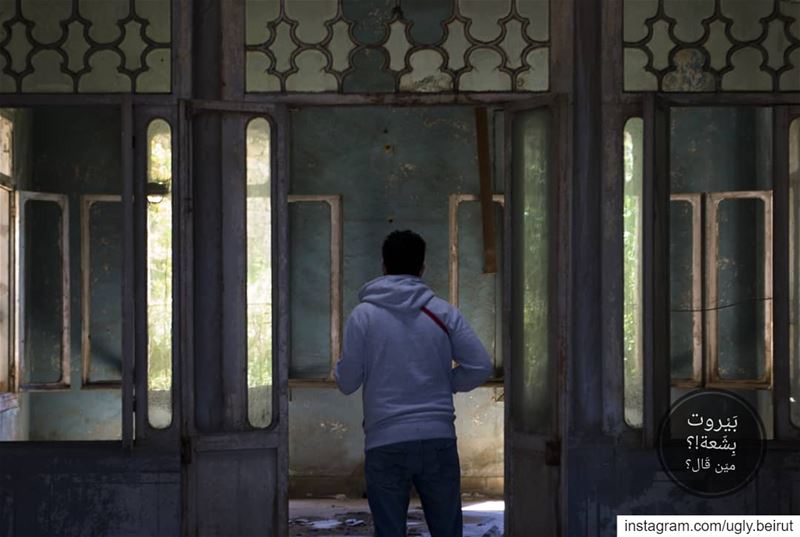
x=104, y=274
x=44, y=291
x=740, y=289
x=532, y=403
x=259, y=274
x=794, y=266
x=159, y=274
x=633, y=147
x=310, y=224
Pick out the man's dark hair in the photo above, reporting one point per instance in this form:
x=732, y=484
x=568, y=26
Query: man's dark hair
x=403, y=253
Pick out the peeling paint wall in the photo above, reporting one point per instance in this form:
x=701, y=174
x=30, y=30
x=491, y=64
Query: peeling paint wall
x=395, y=169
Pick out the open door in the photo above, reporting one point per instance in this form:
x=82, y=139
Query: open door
x=532, y=379
x=234, y=439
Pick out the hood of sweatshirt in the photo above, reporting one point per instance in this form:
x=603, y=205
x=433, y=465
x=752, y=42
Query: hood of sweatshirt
x=396, y=292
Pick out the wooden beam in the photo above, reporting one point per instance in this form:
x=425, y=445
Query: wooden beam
x=487, y=203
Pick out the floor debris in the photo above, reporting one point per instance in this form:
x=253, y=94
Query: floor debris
x=343, y=517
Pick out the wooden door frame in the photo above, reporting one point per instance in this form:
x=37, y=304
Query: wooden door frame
x=558, y=251
x=275, y=436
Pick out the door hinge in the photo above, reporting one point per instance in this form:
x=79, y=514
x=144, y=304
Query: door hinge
x=552, y=453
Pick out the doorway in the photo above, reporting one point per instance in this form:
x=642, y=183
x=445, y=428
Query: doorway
x=387, y=168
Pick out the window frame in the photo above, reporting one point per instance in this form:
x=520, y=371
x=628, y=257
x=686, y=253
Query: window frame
x=147, y=434
x=8, y=372
x=454, y=203
x=20, y=244
x=334, y=203
x=86, y=203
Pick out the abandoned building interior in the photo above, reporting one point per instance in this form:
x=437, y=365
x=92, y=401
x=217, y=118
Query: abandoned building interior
x=192, y=193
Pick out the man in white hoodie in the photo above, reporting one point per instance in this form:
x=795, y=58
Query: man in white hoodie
x=399, y=344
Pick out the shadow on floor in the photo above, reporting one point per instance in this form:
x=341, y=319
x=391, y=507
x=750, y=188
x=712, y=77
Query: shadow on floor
x=350, y=517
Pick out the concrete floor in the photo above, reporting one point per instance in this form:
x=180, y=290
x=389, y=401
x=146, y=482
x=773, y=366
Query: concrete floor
x=341, y=516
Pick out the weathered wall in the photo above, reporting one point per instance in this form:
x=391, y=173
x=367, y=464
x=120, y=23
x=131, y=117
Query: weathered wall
x=395, y=168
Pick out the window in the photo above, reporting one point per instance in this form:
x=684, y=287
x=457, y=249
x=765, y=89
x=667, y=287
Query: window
x=632, y=262
x=159, y=274
x=259, y=274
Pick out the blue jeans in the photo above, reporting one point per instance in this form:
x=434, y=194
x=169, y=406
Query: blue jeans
x=432, y=467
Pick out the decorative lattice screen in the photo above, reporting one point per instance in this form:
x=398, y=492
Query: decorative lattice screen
x=85, y=46
x=367, y=46
x=712, y=45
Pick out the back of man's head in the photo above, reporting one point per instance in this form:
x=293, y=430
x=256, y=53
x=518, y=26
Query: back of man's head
x=403, y=253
